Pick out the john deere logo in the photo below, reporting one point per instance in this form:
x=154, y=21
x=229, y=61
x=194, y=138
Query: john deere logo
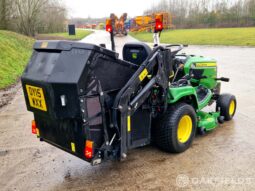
x=212, y=64
x=134, y=55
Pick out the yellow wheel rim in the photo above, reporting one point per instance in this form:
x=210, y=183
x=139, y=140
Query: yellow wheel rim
x=232, y=107
x=184, y=129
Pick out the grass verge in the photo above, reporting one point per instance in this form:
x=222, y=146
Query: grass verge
x=15, y=51
x=80, y=34
x=224, y=36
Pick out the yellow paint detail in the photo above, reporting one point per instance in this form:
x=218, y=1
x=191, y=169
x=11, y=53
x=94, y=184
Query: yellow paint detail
x=184, y=129
x=171, y=75
x=44, y=45
x=210, y=119
x=129, y=123
x=73, y=147
x=232, y=107
x=36, y=97
x=143, y=74
x=212, y=64
x=37, y=132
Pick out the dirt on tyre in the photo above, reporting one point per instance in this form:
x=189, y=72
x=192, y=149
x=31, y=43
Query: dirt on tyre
x=175, y=131
x=226, y=104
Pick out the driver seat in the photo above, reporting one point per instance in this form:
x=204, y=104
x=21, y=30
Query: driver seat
x=136, y=52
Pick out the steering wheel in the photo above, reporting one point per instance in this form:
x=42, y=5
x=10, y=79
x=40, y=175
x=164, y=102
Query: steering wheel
x=179, y=47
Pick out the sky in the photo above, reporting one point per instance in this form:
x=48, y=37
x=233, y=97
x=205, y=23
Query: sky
x=103, y=8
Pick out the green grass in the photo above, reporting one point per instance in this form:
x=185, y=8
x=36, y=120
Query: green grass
x=225, y=36
x=15, y=51
x=80, y=34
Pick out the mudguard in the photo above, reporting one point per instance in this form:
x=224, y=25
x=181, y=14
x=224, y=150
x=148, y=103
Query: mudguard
x=176, y=94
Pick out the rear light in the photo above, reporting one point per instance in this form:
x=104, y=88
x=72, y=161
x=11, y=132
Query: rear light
x=159, y=22
x=108, y=26
x=34, y=131
x=159, y=26
x=88, y=152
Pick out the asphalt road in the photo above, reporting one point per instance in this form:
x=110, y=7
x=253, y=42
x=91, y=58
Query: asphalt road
x=221, y=160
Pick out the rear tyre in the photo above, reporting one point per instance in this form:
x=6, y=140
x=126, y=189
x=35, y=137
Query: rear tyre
x=176, y=130
x=226, y=104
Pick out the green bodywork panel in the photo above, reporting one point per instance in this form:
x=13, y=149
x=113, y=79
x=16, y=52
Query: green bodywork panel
x=208, y=121
x=205, y=101
x=197, y=65
x=176, y=94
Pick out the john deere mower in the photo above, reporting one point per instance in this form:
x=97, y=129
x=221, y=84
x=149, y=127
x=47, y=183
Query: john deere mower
x=88, y=102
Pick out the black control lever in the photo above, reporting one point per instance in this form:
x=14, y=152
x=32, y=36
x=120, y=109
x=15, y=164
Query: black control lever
x=223, y=79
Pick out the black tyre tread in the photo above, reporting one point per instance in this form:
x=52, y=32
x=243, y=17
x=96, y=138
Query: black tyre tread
x=166, y=131
x=222, y=105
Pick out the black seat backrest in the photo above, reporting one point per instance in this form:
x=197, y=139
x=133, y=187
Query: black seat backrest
x=136, y=52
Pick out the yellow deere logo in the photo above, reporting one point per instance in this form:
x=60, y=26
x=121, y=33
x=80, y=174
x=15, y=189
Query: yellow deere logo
x=212, y=64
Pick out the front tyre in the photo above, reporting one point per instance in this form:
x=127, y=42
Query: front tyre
x=226, y=104
x=176, y=130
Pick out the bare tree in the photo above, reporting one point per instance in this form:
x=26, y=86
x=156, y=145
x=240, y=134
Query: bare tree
x=53, y=18
x=208, y=13
x=28, y=12
x=32, y=16
x=5, y=12
x=2, y=14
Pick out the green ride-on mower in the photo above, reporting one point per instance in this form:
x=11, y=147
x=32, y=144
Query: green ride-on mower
x=88, y=102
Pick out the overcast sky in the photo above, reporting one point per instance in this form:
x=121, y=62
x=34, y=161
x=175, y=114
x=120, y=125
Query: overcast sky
x=103, y=8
